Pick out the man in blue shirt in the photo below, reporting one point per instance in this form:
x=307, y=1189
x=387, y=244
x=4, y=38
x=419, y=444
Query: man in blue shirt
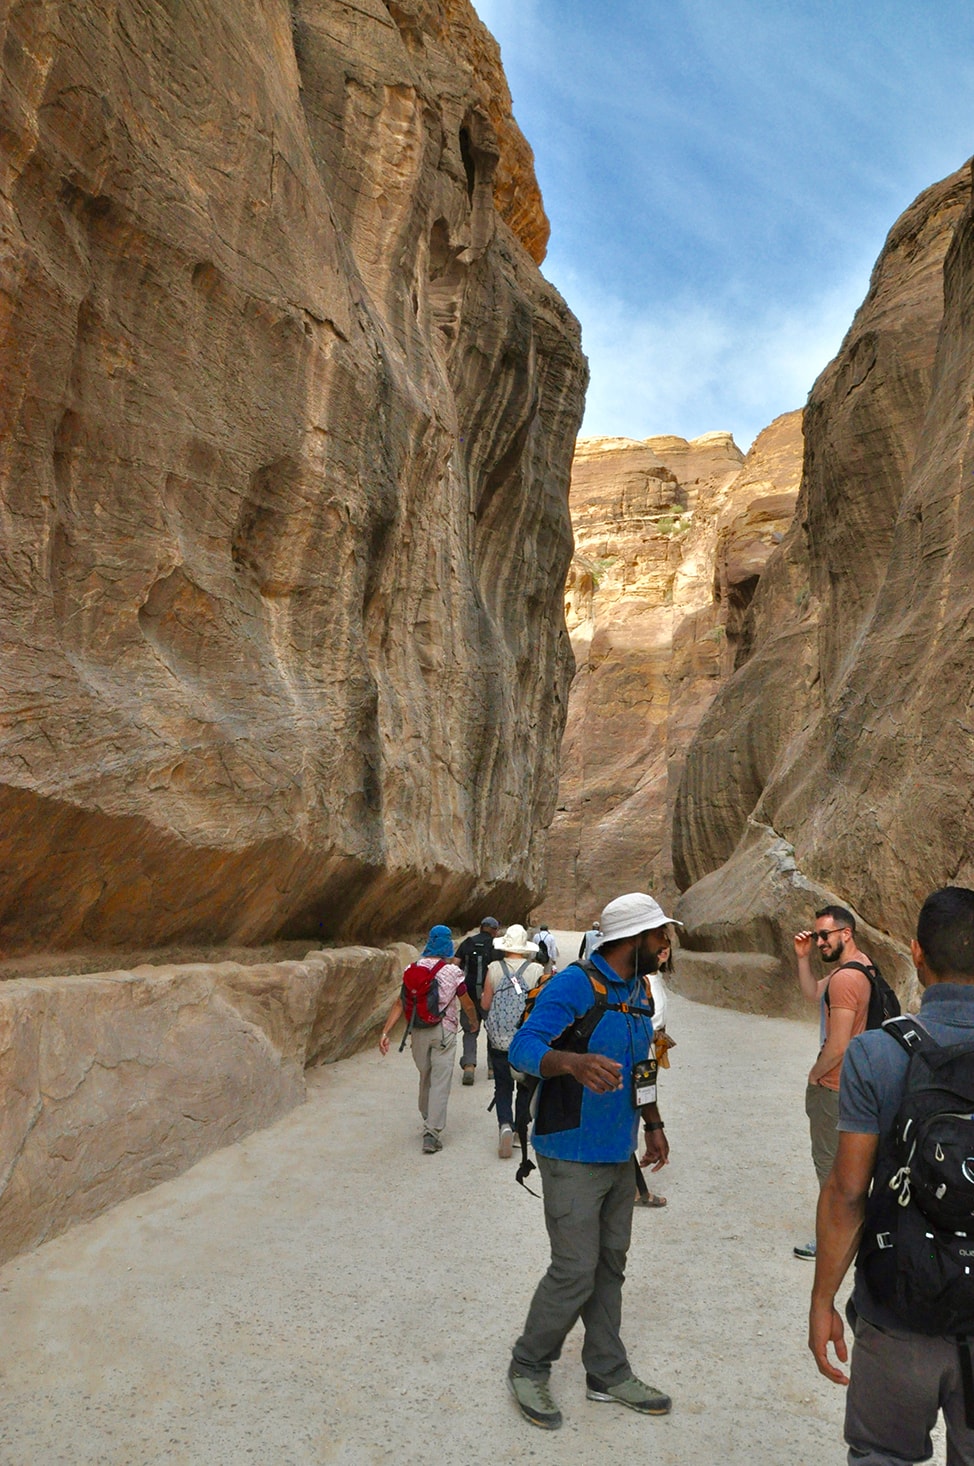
x=899, y=1379
x=585, y=1132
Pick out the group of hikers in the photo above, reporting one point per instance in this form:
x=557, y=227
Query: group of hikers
x=890, y=1103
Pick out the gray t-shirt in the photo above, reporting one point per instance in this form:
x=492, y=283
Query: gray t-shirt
x=871, y=1088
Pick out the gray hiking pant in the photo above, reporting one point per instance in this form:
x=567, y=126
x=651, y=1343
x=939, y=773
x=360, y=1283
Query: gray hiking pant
x=588, y=1213
x=897, y=1384
x=433, y=1052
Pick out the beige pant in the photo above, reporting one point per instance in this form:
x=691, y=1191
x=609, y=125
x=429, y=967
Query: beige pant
x=433, y=1052
x=822, y=1109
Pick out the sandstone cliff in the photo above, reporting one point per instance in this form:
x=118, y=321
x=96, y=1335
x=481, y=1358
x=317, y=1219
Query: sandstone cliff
x=671, y=537
x=837, y=761
x=285, y=426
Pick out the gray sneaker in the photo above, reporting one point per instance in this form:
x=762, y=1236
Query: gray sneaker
x=807, y=1252
x=431, y=1143
x=632, y=1392
x=534, y=1400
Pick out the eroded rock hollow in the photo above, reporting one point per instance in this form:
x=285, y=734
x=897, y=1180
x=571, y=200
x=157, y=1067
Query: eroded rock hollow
x=838, y=760
x=286, y=420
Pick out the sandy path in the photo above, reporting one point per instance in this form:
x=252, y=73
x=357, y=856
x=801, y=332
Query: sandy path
x=322, y=1292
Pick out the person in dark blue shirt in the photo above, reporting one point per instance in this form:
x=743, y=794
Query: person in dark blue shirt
x=585, y=1133
x=899, y=1378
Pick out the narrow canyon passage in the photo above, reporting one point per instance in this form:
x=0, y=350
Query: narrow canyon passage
x=322, y=1292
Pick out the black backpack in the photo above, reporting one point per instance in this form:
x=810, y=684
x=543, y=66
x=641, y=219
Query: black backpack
x=883, y=1002
x=917, y=1249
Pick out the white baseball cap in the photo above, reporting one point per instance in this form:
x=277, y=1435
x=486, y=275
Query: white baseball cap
x=627, y=916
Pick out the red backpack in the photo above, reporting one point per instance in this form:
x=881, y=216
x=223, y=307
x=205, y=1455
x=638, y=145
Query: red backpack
x=420, y=997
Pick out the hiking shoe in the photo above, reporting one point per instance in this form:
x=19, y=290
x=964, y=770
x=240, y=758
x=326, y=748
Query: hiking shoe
x=808, y=1251
x=632, y=1392
x=505, y=1142
x=468, y=1074
x=431, y=1143
x=534, y=1400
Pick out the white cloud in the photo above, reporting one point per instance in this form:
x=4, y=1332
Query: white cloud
x=691, y=367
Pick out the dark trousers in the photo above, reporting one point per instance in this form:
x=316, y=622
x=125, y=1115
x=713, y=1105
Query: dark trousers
x=898, y=1383
x=503, y=1085
x=468, y=1052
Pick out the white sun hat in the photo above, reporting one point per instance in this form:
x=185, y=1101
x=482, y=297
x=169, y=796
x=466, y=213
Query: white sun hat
x=515, y=939
x=627, y=916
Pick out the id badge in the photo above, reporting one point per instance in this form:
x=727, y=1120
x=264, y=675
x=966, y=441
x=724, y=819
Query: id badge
x=644, y=1083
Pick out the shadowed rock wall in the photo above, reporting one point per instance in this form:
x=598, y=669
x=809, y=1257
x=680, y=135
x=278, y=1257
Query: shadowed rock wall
x=286, y=418
x=837, y=762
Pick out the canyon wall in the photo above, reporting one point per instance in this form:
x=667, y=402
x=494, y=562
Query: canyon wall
x=286, y=419
x=838, y=760
x=671, y=537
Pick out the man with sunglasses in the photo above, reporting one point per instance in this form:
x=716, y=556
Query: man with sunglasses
x=843, y=998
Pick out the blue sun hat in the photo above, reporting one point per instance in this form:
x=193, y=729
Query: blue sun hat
x=439, y=943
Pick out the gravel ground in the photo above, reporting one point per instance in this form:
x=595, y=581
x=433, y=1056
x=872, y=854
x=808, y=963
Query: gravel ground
x=322, y=1292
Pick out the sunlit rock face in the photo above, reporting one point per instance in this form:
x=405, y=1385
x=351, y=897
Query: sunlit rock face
x=286, y=419
x=671, y=537
x=838, y=760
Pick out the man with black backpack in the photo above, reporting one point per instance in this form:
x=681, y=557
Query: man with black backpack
x=843, y=995
x=587, y=1038
x=901, y=1191
x=474, y=955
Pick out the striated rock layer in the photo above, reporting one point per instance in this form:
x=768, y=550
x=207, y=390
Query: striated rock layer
x=116, y=1082
x=286, y=415
x=838, y=760
x=671, y=537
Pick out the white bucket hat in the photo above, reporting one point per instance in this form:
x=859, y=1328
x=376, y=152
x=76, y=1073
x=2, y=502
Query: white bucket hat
x=515, y=939
x=627, y=916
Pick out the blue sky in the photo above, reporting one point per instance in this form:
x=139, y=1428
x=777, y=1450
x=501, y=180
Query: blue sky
x=720, y=176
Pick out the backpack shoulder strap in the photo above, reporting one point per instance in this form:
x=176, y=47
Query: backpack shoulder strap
x=601, y=992
x=869, y=968
x=870, y=972
x=911, y=1035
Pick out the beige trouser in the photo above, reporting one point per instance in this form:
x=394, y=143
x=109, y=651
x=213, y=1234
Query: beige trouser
x=822, y=1109
x=433, y=1051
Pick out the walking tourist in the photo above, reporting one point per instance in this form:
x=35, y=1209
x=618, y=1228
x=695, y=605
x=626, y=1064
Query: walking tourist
x=432, y=988
x=474, y=955
x=901, y=1191
x=843, y=998
x=508, y=981
x=586, y=1127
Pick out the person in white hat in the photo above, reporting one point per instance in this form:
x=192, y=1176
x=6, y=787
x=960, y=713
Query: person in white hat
x=590, y=1100
x=507, y=985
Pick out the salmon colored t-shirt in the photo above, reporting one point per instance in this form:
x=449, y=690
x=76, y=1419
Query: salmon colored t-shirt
x=847, y=989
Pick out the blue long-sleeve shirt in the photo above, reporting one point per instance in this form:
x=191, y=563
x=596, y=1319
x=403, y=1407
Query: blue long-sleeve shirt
x=607, y=1125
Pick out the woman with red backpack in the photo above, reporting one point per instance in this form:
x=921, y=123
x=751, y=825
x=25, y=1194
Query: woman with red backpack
x=432, y=988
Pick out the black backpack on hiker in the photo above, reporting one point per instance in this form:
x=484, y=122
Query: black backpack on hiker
x=883, y=1002
x=917, y=1249
x=558, y=1107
